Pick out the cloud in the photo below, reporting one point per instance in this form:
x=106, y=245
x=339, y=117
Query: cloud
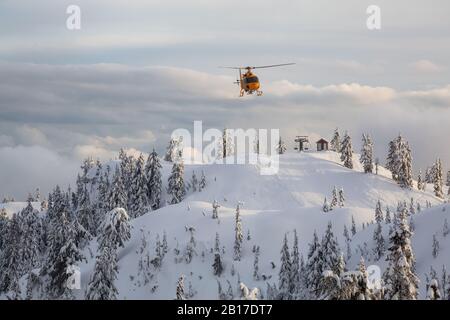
x=426, y=66
x=24, y=168
x=93, y=110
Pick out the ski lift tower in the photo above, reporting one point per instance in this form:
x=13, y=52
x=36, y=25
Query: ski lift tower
x=303, y=143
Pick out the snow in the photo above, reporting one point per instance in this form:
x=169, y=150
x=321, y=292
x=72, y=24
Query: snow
x=272, y=206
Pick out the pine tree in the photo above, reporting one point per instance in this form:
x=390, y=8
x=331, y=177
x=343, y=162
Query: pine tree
x=202, y=184
x=180, y=295
x=173, y=150
x=347, y=242
x=353, y=229
x=330, y=250
x=139, y=196
x=176, y=187
x=435, y=246
x=379, y=242
x=101, y=285
x=295, y=281
x=314, y=266
x=341, y=198
x=256, y=275
x=402, y=165
x=392, y=158
x=86, y=211
x=238, y=236
x=190, y=251
x=217, y=265
x=347, y=152
x=420, y=182
x=334, y=199
x=388, y=215
x=216, y=207
x=445, y=229
x=31, y=229
x=399, y=278
x=226, y=147
x=10, y=258
x=336, y=141
x=194, y=182
x=326, y=206
x=367, y=154
x=115, y=229
x=154, y=180
x=3, y=227
x=438, y=179
x=284, y=284
x=144, y=265
x=281, y=147
x=117, y=197
x=433, y=290
x=378, y=212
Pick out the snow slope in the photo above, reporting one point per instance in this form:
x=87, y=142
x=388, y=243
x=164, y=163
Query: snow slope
x=272, y=206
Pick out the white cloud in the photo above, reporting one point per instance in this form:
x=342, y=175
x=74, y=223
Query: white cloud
x=426, y=66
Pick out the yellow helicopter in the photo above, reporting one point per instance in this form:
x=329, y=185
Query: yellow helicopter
x=248, y=81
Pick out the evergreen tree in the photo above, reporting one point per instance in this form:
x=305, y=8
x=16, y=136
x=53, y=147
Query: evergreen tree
x=341, y=198
x=420, y=182
x=334, y=199
x=174, y=150
x=347, y=242
x=379, y=242
x=435, y=251
x=180, y=295
x=347, y=152
x=216, y=207
x=392, y=158
x=86, y=211
x=115, y=230
x=194, y=182
x=378, y=212
x=190, y=251
x=226, y=147
x=281, y=147
x=366, y=158
x=256, y=275
x=176, y=188
x=438, y=179
x=330, y=250
x=353, y=229
x=295, y=281
x=117, y=197
x=154, y=180
x=30, y=225
x=202, y=184
x=10, y=258
x=445, y=229
x=238, y=236
x=400, y=162
x=326, y=206
x=399, y=278
x=433, y=290
x=388, y=215
x=284, y=284
x=217, y=265
x=336, y=141
x=144, y=264
x=139, y=196
x=3, y=227
x=101, y=285
x=314, y=266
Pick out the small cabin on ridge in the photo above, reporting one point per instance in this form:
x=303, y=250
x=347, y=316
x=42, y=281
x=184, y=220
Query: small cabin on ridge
x=322, y=145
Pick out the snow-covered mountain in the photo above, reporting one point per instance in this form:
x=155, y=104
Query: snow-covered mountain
x=271, y=206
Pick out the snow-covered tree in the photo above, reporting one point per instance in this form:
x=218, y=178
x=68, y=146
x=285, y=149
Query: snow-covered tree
x=341, y=198
x=216, y=206
x=347, y=152
x=378, y=241
x=334, y=199
x=238, y=235
x=388, y=215
x=295, y=278
x=400, y=162
x=101, y=285
x=366, y=158
x=314, y=266
x=225, y=148
x=117, y=197
x=445, y=229
x=378, y=212
x=139, y=196
x=247, y=294
x=420, y=182
x=335, y=143
x=194, y=182
x=353, y=228
x=154, y=180
x=435, y=247
x=399, y=277
x=190, y=251
x=3, y=227
x=30, y=225
x=180, y=294
x=284, y=275
x=10, y=258
x=176, y=188
x=256, y=275
x=438, y=179
x=217, y=265
x=326, y=206
x=330, y=250
x=202, y=183
x=174, y=149
x=281, y=147
x=433, y=292
x=115, y=229
x=86, y=212
x=145, y=273
x=347, y=243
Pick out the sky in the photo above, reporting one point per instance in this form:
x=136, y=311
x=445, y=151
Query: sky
x=137, y=70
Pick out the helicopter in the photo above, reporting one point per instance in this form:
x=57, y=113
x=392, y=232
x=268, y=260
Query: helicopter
x=248, y=82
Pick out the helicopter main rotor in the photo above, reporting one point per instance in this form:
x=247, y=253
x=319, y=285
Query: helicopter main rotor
x=258, y=67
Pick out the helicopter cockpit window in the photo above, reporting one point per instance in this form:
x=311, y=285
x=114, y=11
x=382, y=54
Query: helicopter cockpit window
x=252, y=79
